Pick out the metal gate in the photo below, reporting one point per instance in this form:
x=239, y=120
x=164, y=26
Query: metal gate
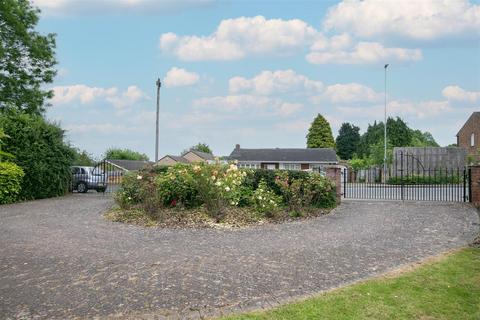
x=103, y=177
x=407, y=179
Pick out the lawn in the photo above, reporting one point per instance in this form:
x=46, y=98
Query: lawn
x=448, y=288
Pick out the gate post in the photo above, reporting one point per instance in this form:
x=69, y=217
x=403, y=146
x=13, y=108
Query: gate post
x=474, y=185
x=335, y=173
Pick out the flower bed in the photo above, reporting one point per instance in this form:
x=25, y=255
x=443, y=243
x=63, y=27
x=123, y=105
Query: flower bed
x=206, y=194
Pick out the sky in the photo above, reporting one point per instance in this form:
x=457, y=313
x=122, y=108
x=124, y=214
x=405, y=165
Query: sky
x=256, y=73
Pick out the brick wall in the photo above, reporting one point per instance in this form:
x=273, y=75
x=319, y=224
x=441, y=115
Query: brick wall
x=335, y=174
x=464, y=135
x=475, y=178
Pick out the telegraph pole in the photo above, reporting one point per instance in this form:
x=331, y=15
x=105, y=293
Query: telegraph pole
x=159, y=84
x=385, y=129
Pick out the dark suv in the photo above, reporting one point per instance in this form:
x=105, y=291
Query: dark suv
x=87, y=178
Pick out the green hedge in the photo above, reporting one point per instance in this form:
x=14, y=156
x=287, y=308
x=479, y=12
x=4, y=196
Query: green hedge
x=11, y=177
x=416, y=179
x=41, y=152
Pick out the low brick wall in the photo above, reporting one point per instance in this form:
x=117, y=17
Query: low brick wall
x=335, y=173
x=475, y=187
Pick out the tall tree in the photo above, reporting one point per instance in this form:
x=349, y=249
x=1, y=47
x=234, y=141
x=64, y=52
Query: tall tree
x=201, y=146
x=27, y=58
x=398, y=133
x=373, y=135
x=320, y=134
x=423, y=139
x=124, y=154
x=347, y=140
x=83, y=158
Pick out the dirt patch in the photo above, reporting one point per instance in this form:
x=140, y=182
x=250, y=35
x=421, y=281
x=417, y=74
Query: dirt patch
x=234, y=217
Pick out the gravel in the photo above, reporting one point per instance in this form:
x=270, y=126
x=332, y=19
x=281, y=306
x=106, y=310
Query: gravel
x=59, y=258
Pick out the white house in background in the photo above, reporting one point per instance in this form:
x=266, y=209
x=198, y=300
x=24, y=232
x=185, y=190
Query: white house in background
x=282, y=158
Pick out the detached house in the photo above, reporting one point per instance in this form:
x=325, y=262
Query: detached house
x=469, y=135
x=190, y=157
x=281, y=158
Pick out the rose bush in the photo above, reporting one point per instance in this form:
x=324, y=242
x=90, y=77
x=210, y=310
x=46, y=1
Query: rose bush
x=218, y=187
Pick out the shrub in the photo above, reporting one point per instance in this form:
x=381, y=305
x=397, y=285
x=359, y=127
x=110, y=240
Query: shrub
x=305, y=190
x=11, y=177
x=264, y=200
x=176, y=187
x=433, y=178
x=130, y=191
x=40, y=151
x=218, y=186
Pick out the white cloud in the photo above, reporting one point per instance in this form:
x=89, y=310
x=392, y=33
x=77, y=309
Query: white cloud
x=422, y=109
x=294, y=126
x=235, y=38
x=84, y=94
x=348, y=93
x=360, y=53
x=75, y=7
x=238, y=38
x=420, y=20
x=457, y=93
x=271, y=82
x=178, y=77
x=103, y=128
x=252, y=104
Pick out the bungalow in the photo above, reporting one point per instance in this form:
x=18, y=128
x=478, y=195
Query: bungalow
x=287, y=159
x=189, y=157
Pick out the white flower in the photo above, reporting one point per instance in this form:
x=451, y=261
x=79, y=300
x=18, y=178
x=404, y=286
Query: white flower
x=227, y=189
x=218, y=183
x=232, y=203
x=139, y=177
x=259, y=197
x=213, y=177
x=271, y=201
x=129, y=198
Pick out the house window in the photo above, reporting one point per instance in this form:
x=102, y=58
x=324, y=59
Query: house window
x=472, y=140
x=291, y=166
x=249, y=165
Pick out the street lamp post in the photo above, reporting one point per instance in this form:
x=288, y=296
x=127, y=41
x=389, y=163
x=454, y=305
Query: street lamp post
x=385, y=129
x=159, y=84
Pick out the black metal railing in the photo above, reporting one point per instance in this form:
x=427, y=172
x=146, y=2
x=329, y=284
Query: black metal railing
x=407, y=179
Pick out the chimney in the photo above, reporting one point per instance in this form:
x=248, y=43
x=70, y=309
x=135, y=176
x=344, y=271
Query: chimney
x=237, y=147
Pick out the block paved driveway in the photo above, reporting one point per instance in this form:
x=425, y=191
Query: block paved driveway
x=59, y=258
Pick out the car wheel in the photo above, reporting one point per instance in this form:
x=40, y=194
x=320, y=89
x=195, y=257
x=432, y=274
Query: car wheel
x=101, y=189
x=82, y=187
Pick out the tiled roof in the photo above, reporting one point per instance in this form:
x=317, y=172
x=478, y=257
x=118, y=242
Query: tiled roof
x=285, y=155
x=130, y=165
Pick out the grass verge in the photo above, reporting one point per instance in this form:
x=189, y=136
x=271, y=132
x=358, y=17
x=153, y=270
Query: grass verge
x=448, y=288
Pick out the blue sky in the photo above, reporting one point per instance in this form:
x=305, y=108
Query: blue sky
x=257, y=72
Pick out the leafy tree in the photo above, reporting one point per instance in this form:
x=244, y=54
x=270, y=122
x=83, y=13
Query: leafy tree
x=4, y=154
x=398, y=133
x=423, y=139
x=27, y=58
x=40, y=150
x=320, y=134
x=202, y=147
x=83, y=158
x=347, y=140
x=125, y=154
x=373, y=134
